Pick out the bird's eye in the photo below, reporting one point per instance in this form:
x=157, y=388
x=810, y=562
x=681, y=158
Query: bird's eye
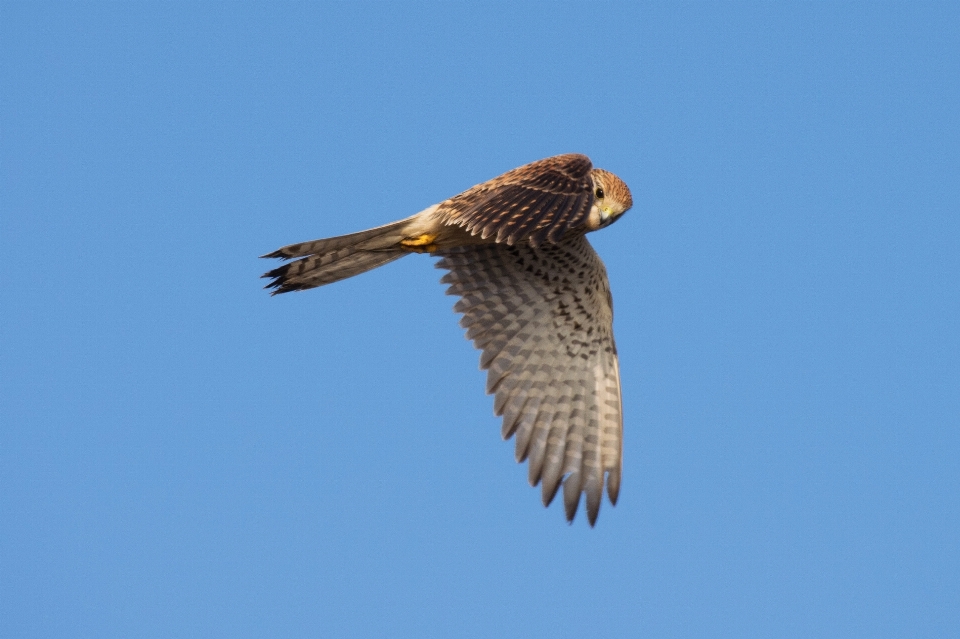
x=599, y=193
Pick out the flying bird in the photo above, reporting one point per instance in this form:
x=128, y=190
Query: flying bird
x=535, y=300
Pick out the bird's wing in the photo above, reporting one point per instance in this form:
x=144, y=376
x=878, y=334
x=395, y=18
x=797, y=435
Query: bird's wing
x=543, y=318
x=533, y=203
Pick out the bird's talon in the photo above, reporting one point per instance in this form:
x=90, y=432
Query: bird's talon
x=421, y=244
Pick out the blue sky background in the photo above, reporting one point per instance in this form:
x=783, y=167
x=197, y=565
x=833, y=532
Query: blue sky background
x=183, y=456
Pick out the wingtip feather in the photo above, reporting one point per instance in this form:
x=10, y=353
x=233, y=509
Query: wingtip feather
x=613, y=486
x=571, y=495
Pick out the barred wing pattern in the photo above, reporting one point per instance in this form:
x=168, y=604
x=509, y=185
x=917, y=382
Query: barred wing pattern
x=540, y=201
x=543, y=318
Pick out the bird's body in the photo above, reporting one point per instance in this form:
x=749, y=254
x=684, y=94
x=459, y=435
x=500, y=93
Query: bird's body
x=535, y=300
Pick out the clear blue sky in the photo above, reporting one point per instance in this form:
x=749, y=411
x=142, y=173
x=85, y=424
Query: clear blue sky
x=183, y=456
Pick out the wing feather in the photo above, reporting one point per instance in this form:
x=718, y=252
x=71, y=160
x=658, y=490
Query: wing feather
x=539, y=201
x=543, y=320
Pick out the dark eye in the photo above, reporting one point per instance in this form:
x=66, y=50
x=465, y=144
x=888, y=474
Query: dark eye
x=599, y=193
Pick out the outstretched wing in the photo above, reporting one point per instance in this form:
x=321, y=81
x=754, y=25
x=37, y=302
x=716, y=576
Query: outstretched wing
x=535, y=202
x=543, y=318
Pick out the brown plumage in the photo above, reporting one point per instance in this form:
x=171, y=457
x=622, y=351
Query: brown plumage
x=535, y=299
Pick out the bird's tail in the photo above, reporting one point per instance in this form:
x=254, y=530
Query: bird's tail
x=336, y=258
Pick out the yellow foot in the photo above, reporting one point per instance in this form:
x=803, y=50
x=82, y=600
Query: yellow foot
x=420, y=244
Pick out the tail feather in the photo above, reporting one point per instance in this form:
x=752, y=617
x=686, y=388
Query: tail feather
x=390, y=232
x=332, y=259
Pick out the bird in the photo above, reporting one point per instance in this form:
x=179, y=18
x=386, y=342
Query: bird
x=535, y=300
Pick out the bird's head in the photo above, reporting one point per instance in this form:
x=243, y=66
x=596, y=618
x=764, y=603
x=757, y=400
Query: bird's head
x=611, y=199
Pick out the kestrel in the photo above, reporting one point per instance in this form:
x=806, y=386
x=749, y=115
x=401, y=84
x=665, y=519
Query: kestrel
x=535, y=299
